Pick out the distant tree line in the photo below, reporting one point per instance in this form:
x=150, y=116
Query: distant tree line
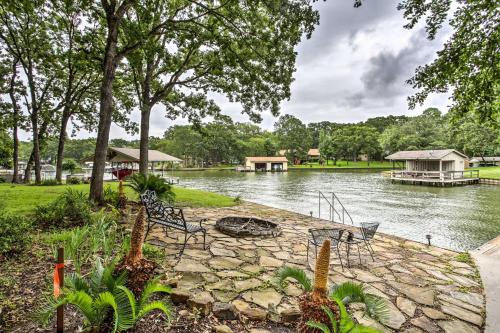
x=224, y=142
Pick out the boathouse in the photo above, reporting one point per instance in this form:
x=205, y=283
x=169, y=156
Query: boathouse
x=484, y=161
x=432, y=167
x=125, y=161
x=266, y=163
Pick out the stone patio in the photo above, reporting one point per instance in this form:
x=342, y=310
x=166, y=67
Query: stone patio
x=427, y=288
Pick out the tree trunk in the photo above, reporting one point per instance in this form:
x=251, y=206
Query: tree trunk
x=36, y=149
x=105, y=112
x=29, y=165
x=144, y=142
x=15, y=121
x=62, y=141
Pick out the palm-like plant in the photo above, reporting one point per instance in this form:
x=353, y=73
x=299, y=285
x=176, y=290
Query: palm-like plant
x=140, y=182
x=344, y=324
x=102, y=295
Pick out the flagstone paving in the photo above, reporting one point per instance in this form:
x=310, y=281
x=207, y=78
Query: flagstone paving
x=427, y=288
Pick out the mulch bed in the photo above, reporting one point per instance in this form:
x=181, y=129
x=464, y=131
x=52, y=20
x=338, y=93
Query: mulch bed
x=26, y=279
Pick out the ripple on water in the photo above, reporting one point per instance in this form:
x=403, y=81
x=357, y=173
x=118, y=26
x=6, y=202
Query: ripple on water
x=459, y=218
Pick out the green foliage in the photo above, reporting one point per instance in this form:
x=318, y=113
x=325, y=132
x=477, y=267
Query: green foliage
x=293, y=136
x=294, y=273
x=70, y=209
x=350, y=292
x=347, y=292
x=102, y=293
x=14, y=232
x=464, y=257
x=111, y=196
x=49, y=182
x=345, y=324
x=2, y=179
x=467, y=65
x=84, y=244
x=69, y=164
x=73, y=181
x=140, y=183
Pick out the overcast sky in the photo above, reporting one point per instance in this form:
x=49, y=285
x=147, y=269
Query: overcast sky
x=354, y=67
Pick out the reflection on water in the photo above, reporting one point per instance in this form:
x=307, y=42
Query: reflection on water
x=459, y=218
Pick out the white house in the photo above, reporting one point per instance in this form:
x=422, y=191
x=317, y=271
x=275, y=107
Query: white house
x=266, y=163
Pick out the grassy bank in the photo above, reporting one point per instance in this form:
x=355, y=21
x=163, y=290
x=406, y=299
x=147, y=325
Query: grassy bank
x=488, y=172
x=344, y=165
x=24, y=198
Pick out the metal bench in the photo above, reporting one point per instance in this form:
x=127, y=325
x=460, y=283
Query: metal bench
x=168, y=216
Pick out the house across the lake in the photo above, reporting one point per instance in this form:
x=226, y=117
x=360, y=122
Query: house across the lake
x=313, y=154
x=266, y=163
x=484, y=161
x=433, y=167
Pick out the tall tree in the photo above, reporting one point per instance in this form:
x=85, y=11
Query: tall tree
x=77, y=76
x=242, y=49
x=468, y=65
x=293, y=137
x=24, y=36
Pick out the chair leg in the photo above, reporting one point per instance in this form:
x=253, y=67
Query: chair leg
x=359, y=254
x=204, y=239
x=348, y=248
x=370, y=250
x=147, y=231
x=184, y=245
x=340, y=257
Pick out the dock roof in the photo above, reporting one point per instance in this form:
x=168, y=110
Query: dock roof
x=423, y=154
x=259, y=159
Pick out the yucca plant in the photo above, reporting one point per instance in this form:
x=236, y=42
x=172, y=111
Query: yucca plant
x=138, y=268
x=140, y=182
x=347, y=292
x=344, y=324
x=104, y=301
x=316, y=297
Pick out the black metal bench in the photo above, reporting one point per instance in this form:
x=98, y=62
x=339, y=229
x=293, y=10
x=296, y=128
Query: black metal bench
x=168, y=216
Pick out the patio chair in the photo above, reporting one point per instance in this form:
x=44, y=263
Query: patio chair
x=318, y=236
x=366, y=234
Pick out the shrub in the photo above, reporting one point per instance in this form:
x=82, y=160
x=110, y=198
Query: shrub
x=102, y=294
x=95, y=239
x=49, y=182
x=71, y=208
x=111, y=196
x=140, y=183
x=69, y=164
x=14, y=233
x=2, y=180
x=73, y=181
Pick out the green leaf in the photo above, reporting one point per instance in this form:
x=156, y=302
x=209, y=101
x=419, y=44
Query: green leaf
x=295, y=273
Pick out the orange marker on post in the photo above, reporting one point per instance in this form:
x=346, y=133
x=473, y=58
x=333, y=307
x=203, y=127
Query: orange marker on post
x=58, y=284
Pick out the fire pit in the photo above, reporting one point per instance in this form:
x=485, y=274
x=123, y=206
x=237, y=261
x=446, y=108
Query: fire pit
x=247, y=226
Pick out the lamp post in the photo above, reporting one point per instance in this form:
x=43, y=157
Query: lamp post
x=428, y=239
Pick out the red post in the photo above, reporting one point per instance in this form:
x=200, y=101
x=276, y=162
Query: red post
x=60, y=268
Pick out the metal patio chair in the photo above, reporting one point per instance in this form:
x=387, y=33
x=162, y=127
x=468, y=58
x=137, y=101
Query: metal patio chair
x=318, y=236
x=365, y=235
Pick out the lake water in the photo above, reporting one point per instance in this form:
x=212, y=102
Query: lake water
x=458, y=218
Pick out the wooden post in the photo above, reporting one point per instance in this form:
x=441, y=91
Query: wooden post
x=60, y=268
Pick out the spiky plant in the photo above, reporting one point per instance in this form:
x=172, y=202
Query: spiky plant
x=122, y=198
x=104, y=302
x=139, y=269
x=348, y=292
x=137, y=240
x=140, y=183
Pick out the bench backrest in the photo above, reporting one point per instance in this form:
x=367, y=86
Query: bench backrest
x=155, y=208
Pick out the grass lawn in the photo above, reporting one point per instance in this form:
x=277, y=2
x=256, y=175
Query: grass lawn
x=344, y=165
x=488, y=172
x=24, y=198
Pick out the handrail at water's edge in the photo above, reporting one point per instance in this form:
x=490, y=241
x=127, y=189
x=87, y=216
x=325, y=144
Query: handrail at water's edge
x=332, y=209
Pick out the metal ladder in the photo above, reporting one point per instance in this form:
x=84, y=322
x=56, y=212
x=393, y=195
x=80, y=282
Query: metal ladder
x=336, y=210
